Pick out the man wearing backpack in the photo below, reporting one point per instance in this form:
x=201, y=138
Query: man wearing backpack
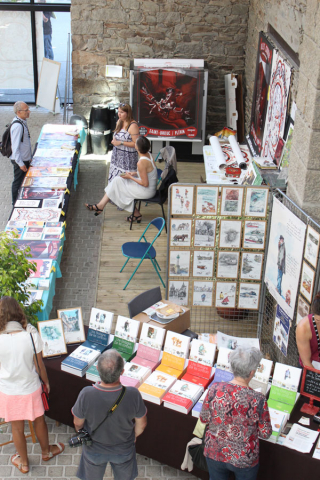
x=21, y=146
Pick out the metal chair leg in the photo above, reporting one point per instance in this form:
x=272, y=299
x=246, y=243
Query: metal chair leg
x=154, y=266
x=164, y=217
x=125, y=263
x=133, y=273
x=157, y=264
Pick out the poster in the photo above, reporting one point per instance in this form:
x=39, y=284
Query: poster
x=281, y=330
x=167, y=102
x=284, y=257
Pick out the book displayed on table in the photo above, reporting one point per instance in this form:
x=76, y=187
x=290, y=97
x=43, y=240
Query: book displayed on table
x=156, y=386
x=48, y=172
x=45, y=182
x=175, y=352
x=150, y=345
x=284, y=387
x=278, y=421
x=36, y=214
x=222, y=372
x=232, y=342
x=44, y=267
x=41, y=193
x=41, y=248
x=134, y=375
x=300, y=438
x=200, y=365
x=182, y=396
x=92, y=373
x=39, y=162
x=125, y=337
x=17, y=230
x=81, y=359
x=198, y=406
x=100, y=327
x=261, y=378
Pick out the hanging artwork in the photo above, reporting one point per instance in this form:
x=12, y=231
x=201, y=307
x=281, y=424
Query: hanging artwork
x=178, y=292
x=203, y=263
x=202, y=294
x=249, y=295
x=231, y=201
x=281, y=330
x=228, y=263
x=230, y=233
x=179, y=263
x=226, y=294
x=256, y=202
x=251, y=266
x=303, y=309
x=254, y=235
x=180, y=233
x=311, y=249
x=307, y=282
x=207, y=200
x=181, y=200
x=204, y=233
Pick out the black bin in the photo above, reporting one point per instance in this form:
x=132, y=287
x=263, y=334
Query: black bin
x=113, y=117
x=99, y=128
x=82, y=121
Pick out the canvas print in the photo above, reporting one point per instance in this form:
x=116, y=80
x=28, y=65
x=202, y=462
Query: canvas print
x=231, y=201
x=307, y=282
x=226, y=294
x=228, y=264
x=38, y=214
x=101, y=320
x=72, y=324
x=254, y=235
x=285, y=251
x=249, y=295
x=251, y=266
x=256, y=202
x=41, y=248
x=202, y=294
x=204, y=233
x=127, y=328
x=45, y=182
x=311, y=249
x=207, y=200
x=51, y=333
x=230, y=233
x=181, y=200
x=179, y=263
x=27, y=203
x=180, y=233
x=203, y=263
x=178, y=292
x=303, y=309
x=41, y=193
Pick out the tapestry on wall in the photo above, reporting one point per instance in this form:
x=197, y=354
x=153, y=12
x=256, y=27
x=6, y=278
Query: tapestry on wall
x=168, y=102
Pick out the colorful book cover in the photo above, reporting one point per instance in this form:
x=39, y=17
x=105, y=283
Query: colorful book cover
x=48, y=172
x=17, y=230
x=222, y=376
x=286, y=376
x=156, y=385
x=41, y=248
x=39, y=162
x=45, y=182
x=174, y=372
x=144, y=362
x=43, y=268
x=81, y=358
x=33, y=233
x=201, y=358
x=177, y=344
x=223, y=359
x=27, y=204
x=136, y=372
x=198, y=406
x=100, y=326
x=54, y=152
x=197, y=380
x=41, y=193
x=152, y=336
x=127, y=328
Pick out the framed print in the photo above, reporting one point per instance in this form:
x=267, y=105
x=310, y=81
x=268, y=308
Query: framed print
x=207, y=200
x=303, y=309
x=202, y=294
x=178, y=292
x=181, y=200
x=254, y=235
x=228, y=264
x=204, y=233
x=179, y=263
x=27, y=204
x=72, y=324
x=226, y=294
x=230, y=233
x=37, y=214
x=231, y=201
x=203, y=263
x=251, y=266
x=311, y=249
x=307, y=281
x=256, y=202
x=180, y=233
x=249, y=294
x=52, y=335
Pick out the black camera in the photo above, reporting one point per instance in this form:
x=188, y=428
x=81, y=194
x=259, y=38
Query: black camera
x=82, y=438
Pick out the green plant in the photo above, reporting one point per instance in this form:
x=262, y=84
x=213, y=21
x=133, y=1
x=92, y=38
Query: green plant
x=15, y=269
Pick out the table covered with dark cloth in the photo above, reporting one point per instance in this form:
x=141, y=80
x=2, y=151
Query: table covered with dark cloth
x=168, y=431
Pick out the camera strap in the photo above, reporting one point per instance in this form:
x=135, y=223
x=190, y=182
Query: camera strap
x=112, y=409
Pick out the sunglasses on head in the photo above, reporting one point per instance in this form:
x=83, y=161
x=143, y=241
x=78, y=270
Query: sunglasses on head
x=122, y=104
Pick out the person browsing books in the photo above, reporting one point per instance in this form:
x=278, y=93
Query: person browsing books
x=307, y=336
x=235, y=416
x=114, y=440
x=20, y=388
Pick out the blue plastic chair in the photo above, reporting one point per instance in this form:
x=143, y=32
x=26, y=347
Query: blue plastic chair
x=143, y=249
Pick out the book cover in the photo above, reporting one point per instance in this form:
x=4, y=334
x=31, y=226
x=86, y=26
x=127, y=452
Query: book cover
x=198, y=406
x=201, y=358
x=262, y=375
x=177, y=344
x=182, y=396
x=222, y=376
x=92, y=373
x=223, y=359
x=173, y=361
x=100, y=325
x=123, y=346
x=45, y=182
x=282, y=395
x=82, y=357
x=203, y=382
x=129, y=382
x=152, y=336
x=43, y=268
x=40, y=162
x=208, y=337
x=41, y=193
x=231, y=342
x=144, y=362
x=286, y=376
x=41, y=248
x=127, y=328
x=17, y=230
x=48, y=172
x=136, y=372
x=155, y=386
x=33, y=233
x=169, y=370
x=148, y=353
x=43, y=284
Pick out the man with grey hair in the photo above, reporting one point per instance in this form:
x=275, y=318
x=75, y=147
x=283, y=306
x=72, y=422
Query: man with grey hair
x=21, y=146
x=114, y=440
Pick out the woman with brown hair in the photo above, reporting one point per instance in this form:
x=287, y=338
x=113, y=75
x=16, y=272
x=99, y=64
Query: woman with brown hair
x=307, y=336
x=20, y=387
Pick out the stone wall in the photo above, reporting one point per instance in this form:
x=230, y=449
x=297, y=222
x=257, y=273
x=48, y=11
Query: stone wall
x=115, y=32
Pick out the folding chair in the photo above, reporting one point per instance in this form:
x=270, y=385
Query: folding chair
x=143, y=301
x=32, y=434
x=143, y=249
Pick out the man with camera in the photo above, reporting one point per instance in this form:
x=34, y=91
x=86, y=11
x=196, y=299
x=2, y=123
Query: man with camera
x=108, y=418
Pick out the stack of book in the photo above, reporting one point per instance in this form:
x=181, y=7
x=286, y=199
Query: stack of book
x=150, y=346
x=278, y=421
x=260, y=381
x=182, y=396
x=134, y=375
x=175, y=352
x=198, y=406
x=199, y=369
x=222, y=372
x=156, y=386
x=81, y=359
x=125, y=337
x=284, y=388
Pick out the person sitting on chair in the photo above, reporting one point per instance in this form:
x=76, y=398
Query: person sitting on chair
x=125, y=189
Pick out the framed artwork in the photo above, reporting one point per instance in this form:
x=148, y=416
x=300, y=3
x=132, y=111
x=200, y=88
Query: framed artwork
x=179, y=263
x=254, y=235
x=251, y=266
x=204, y=233
x=311, y=249
x=180, y=233
x=202, y=294
x=228, y=264
x=256, y=202
x=181, y=200
x=207, y=200
x=178, y=292
x=39, y=214
x=226, y=294
x=72, y=324
x=303, y=309
x=249, y=294
x=27, y=203
x=52, y=335
x=231, y=201
x=230, y=233
x=307, y=281
x=203, y=263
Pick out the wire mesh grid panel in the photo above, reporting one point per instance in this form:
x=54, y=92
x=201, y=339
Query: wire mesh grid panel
x=308, y=286
x=215, y=255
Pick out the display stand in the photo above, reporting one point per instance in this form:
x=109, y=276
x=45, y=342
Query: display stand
x=310, y=387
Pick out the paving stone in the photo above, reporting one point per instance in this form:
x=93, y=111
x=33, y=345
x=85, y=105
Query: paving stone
x=153, y=471
x=169, y=471
x=55, y=471
x=4, y=459
x=65, y=459
x=5, y=470
x=70, y=471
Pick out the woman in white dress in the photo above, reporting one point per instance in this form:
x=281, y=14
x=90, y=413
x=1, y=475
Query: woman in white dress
x=131, y=185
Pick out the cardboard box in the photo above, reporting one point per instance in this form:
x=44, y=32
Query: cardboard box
x=178, y=325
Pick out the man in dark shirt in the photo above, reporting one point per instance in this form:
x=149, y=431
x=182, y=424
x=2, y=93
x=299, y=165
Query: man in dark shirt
x=47, y=34
x=114, y=440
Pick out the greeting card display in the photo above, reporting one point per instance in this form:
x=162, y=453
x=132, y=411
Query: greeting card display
x=202, y=294
x=226, y=294
x=230, y=233
x=181, y=200
x=256, y=202
x=204, y=233
x=207, y=200
x=311, y=249
x=307, y=282
x=251, y=266
x=72, y=324
x=254, y=234
x=203, y=263
x=52, y=335
x=231, y=201
x=180, y=233
x=228, y=264
x=179, y=263
x=249, y=295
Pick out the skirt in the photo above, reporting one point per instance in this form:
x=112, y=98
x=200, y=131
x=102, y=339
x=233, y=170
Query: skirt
x=21, y=407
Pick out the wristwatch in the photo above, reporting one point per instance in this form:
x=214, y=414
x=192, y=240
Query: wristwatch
x=121, y=143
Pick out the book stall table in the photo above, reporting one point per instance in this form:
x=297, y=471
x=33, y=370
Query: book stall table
x=48, y=295
x=178, y=325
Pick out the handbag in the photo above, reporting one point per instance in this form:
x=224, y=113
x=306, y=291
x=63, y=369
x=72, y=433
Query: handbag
x=196, y=452
x=44, y=390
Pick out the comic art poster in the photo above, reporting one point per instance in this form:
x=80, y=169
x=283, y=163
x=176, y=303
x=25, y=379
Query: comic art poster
x=260, y=95
x=284, y=257
x=167, y=102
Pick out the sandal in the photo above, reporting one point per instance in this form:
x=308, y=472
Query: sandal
x=22, y=468
x=93, y=208
x=46, y=457
x=134, y=218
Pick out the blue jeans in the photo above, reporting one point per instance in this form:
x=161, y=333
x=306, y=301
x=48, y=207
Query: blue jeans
x=48, y=52
x=280, y=273
x=221, y=471
x=93, y=465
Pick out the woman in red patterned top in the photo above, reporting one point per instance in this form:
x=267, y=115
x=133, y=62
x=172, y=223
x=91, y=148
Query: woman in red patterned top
x=236, y=416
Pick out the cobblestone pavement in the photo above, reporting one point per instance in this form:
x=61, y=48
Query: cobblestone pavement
x=77, y=287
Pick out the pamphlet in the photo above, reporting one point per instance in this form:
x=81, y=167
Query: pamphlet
x=301, y=438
